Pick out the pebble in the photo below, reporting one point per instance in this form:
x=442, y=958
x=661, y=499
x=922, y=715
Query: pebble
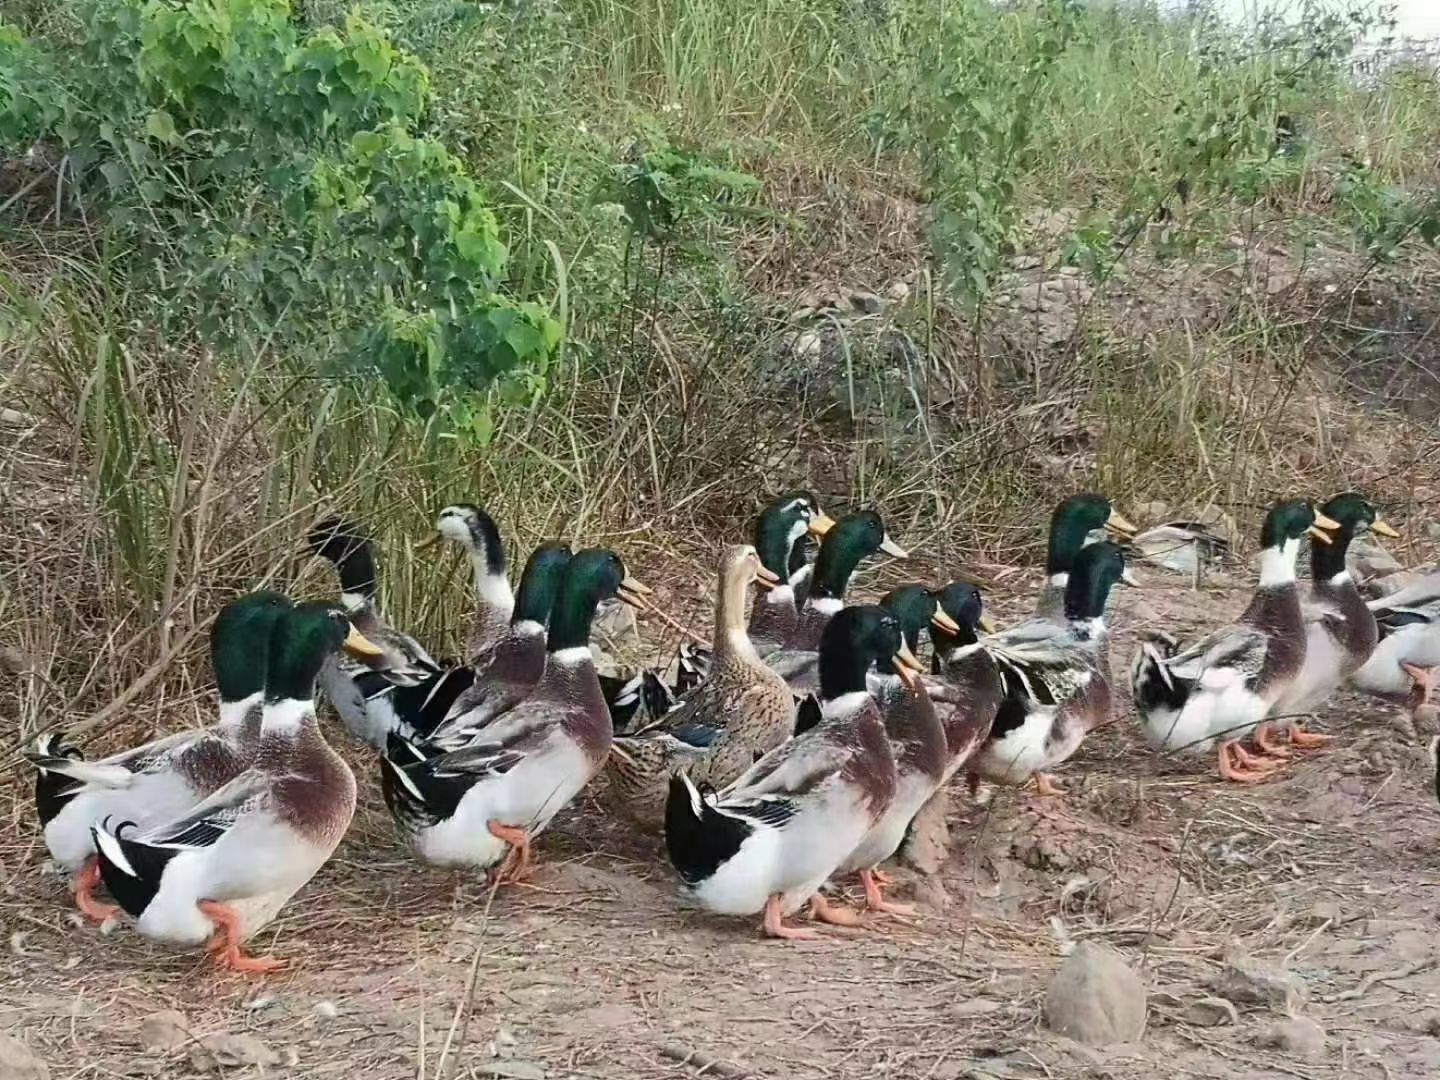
x=1298, y=1035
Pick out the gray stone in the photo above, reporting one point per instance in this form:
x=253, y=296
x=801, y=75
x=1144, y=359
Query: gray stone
x=18, y=1063
x=615, y=623
x=1298, y=1035
x=166, y=1030
x=1096, y=998
x=512, y=1070
x=1210, y=1012
x=1246, y=982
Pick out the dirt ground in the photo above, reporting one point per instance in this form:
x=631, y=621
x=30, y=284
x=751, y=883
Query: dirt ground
x=1330, y=873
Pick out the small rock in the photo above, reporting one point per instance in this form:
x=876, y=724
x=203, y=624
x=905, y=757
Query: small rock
x=326, y=1010
x=1298, y=1035
x=1427, y=1023
x=898, y=291
x=868, y=302
x=973, y=1007
x=165, y=1031
x=15, y=418
x=1368, y=560
x=1095, y=998
x=18, y=1063
x=1210, y=1012
x=224, y=1051
x=1245, y=982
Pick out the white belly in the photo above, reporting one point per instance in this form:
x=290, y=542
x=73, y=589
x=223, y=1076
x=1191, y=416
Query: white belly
x=1023, y=751
x=793, y=862
x=1322, y=671
x=884, y=837
x=526, y=797
x=1418, y=644
x=254, y=868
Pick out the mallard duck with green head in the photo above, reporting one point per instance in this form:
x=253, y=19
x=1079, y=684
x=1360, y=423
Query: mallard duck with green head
x=853, y=539
x=165, y=776
x=505, y=673
x=736, y=716
x=1218, y=691
x=1340, y=631
x=1057, y=687
x=487, y=801
x=770, y=840
x=223, y=869
x=917, y=741
x=1076, y=522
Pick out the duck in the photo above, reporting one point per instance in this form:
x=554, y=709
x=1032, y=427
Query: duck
x=1408, y=650
x=368, y=696
x=964, y=682
x=1057, y=687
x=917, y=741
x=222, y=870
x=765, y=844
x=966, y=689
x=1075, y=522
x=502, y=674
x=475, y=531
x=736, y=716
x=1218, y=690
x=781, y=534
x=1340, y=631
x=486, y=802
x=165, y=776
x=853, y=538
x=1183, y=547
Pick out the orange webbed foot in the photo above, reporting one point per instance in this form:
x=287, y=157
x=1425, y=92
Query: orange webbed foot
x=776, y=928
x=1045, y=784
x=224, y=947
x=821, y=910
x=875, y=899
x=517, y=864
x=1266, y=742
x=87, y=880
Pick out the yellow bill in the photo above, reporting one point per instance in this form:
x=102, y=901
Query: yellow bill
x=820, y=524
x=361, y=647
x=632, y=592
x=1383, y=529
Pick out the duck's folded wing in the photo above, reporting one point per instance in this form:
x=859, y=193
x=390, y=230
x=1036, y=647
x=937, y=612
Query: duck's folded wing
x=1424, y=595
x=792, y=768
x=211, y=818
x=1327, y=615
x=1239, y=648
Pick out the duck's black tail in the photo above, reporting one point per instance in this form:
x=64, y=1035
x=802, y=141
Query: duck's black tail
x=698, y=837
x=132, y=870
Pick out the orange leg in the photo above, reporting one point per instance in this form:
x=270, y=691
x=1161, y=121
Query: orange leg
x=1045, y=785
x=516, y=866
x=1424, y=684
x=882, y=879
x=875, y=899
x=225, y=946
x=84, y=885
x=774, y=927
x=1235, y=770
x=1265, y=741
x=1308, y=740
x=822, y=911
x=1247, y=761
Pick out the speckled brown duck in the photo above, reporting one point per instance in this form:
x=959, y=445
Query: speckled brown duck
x=768, y=842
x=1340, y=630
x=1219, y=690
x=154, y=782
x=225, y=868
x=736, y=716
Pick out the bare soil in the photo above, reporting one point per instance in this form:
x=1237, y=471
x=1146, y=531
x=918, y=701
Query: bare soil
x=1329, y=872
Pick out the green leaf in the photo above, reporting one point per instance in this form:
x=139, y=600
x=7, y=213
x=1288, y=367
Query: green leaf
x=160, y=125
